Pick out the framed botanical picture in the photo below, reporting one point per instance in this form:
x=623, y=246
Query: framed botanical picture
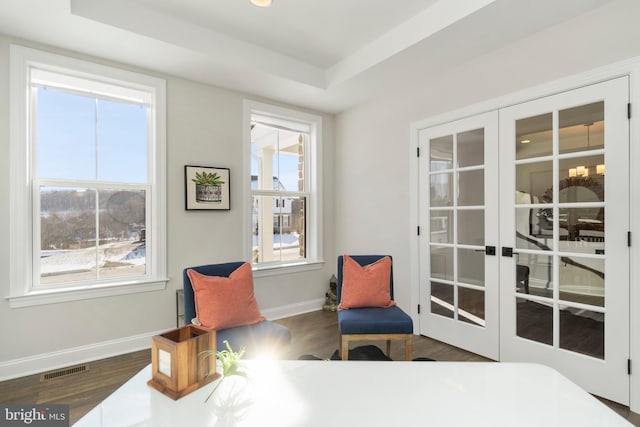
x=206, y=188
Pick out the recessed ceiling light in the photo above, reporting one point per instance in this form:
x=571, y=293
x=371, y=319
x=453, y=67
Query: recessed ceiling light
x=261, y=3
x=525, y=141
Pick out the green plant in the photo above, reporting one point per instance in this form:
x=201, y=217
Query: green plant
x=230, y=362
x=207, y=178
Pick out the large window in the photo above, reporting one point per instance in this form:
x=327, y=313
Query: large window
x=87, y=159
x=285, y=196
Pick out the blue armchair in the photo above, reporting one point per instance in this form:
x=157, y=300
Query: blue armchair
x=372, y=323
x=262, y=336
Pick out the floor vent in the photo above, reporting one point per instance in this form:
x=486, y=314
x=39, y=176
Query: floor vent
x=64, y=372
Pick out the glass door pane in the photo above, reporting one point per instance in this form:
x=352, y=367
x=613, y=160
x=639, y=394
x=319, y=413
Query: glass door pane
x=563, y=217
x=459, y=281
x=564, y=292
x=457, y=237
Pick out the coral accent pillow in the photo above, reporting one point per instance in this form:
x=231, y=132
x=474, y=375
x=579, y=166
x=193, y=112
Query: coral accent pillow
x=366, y=286
x=225, y=302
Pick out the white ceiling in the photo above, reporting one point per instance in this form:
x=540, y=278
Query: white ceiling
x=324, y=54
x=320, y=33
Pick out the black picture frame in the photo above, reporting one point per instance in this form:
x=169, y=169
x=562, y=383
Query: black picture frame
x=207, y=196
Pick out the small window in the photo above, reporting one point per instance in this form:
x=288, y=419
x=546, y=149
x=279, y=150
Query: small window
x=93, y=179
x=283, y=164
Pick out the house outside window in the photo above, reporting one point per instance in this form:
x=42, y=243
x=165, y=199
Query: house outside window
x=88, y=177
x=283, y=163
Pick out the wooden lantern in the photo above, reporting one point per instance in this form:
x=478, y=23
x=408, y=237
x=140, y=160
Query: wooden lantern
x=177, y=367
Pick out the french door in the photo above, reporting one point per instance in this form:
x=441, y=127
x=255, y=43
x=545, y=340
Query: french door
x=459, y=212
x=524, y=254
x=564, y=219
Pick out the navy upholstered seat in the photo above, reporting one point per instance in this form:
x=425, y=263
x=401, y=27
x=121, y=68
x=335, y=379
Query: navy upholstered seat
x=372, y=320
x=262, y=336
x=372, y=323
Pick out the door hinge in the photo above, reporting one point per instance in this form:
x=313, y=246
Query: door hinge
x=418, y=151
x=628, y=366
x=629, y=110
x=418, y=308
x=628, y=238
x=418, y=230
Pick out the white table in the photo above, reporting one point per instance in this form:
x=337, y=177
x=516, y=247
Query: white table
x=337, y=393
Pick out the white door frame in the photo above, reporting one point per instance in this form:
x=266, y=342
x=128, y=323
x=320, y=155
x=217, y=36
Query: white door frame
x=629, y=68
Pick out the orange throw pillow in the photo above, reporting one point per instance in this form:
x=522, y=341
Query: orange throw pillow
x=366, y=286
x=225, y=302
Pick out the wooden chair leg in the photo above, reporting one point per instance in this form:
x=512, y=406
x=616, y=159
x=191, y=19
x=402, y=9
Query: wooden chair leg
x=344, y=348
x=408, y=349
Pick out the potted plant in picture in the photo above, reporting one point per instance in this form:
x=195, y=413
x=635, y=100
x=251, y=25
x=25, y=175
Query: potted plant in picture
x=208, y=187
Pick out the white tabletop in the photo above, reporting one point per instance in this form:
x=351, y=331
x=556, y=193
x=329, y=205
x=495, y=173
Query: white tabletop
x=351, y=393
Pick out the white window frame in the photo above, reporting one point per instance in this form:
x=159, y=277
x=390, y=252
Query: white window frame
x=313, y=176
x=22, y=176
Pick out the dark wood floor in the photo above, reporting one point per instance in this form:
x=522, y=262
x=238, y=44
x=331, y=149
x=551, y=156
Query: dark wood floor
x=312, y=334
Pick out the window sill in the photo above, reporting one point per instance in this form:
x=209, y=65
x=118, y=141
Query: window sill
x=82, y=293
x=277, y=269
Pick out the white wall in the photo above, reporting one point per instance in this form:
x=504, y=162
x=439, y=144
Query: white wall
x=372, y=188
x=204, y=127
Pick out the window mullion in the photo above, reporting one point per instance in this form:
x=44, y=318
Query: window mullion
x=32, y=118
x=97, y=234
x=95, y=138
x=35, y=230
x=275, y=193
x=75, y=183
x=97, y=204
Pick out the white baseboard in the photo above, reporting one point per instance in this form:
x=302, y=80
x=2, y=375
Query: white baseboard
x=293, y=309
x=59, y=359
x=63, y=358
